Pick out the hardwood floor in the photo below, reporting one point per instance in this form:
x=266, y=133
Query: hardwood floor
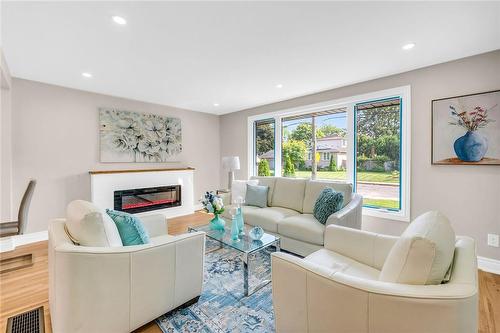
x=27, y=288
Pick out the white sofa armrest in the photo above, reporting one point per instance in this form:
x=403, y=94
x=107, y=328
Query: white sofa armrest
x=350, y=215
x=155, y=224
x=364, y=246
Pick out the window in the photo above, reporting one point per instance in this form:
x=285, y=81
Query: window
x=318, y=156
x=296, y=146
x=377, y=153
x=360, y=139
x=264, y=139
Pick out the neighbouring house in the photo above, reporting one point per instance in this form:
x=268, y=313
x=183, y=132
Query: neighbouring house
x=335, y=146
x=327, y=147
x=269, y=156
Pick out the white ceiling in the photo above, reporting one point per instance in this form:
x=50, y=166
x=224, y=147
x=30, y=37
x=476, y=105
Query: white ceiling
x=194, y=54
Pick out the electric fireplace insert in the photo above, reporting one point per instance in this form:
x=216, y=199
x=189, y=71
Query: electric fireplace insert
x=146, y=199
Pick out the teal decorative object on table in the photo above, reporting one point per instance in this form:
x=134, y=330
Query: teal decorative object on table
x=235, y=231
x=256, y=233
x=239, y=216
x=217, y=223
x=241, y=224
x=213, y=204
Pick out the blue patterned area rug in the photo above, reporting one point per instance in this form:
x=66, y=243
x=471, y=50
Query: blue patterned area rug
x=222, y=307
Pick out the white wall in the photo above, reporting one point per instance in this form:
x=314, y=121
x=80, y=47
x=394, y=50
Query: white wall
x=5, y=143
x=55, y=136
x=468, y=195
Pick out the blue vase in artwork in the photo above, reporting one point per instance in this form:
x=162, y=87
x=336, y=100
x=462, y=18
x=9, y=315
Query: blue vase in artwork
x=217, y=223
x=471, y=147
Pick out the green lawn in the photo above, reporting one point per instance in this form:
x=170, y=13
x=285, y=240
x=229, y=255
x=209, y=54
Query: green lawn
x=367, y=176
x=383, y=203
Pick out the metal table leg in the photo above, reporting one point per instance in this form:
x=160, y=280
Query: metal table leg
x=245, y=273
x=245, y=260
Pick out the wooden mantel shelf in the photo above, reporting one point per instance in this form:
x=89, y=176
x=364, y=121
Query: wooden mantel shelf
x=101, y=172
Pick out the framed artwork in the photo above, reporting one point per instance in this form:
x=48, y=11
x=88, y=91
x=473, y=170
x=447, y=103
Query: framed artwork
x=466, y=129
x=127, y=136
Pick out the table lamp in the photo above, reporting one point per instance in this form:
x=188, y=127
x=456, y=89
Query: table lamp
x=230, y=163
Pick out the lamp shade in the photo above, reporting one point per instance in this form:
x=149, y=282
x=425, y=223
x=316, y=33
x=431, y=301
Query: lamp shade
x=231, y=163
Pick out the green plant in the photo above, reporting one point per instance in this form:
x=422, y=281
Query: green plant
x=289, y=167
x=296, y=150
x=264, y=168
x=332, y=166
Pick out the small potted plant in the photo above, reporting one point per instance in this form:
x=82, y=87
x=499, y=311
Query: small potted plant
x=472, y=146
x=213, y=204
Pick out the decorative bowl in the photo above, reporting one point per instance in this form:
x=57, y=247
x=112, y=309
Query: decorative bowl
x=256, y=233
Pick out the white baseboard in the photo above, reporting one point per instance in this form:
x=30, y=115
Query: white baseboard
x=198, y=206
x=488, y=265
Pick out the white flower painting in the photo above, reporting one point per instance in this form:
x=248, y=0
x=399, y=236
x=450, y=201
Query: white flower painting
x=135, y=137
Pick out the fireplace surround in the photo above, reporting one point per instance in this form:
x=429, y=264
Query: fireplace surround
x=105, y=183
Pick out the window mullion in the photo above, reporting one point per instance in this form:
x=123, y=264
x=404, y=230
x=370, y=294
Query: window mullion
x=351, y=154
x=277, y=145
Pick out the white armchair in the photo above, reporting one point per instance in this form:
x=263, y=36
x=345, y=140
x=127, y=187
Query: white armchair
x=336, y=289
x=118, y=289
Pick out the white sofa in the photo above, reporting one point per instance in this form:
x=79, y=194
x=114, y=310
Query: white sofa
x=290, y=212
x=337, y=289
x=118, y=289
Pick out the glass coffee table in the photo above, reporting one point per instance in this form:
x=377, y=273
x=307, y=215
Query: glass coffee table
x=245, y=246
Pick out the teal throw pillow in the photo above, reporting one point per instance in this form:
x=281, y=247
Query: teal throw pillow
x=256, y=195
x=130, y=228
x=328, y=202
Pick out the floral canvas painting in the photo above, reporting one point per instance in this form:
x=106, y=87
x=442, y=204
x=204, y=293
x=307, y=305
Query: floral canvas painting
x=466, y=129
x=128, y=136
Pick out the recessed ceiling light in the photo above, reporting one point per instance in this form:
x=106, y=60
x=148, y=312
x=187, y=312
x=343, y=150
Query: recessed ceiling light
x=119, y=20
x=216, y=104
x=279, y=86
x=87, y=75
x=408, y=46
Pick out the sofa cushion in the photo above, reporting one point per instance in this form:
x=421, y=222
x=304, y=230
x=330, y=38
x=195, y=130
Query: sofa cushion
x=423, y=253
x=328, y=203
x=302, y=227
x=267, y=218
x=130, y=227
x=289, y=193
x=88, y=225
x=256, y=195
x=239, y=188
x=340, y=263
x=314, y=188
x=267, y=181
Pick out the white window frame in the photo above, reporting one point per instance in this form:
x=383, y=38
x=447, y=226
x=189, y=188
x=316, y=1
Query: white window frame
x=349, y=102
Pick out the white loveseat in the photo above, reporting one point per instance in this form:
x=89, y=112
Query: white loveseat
x=337, y=289
x=118, y=289
x=290, y=212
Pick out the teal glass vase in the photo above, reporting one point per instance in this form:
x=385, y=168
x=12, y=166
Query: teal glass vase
x=217, y=223
x=241, y=225
x=234, y=229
